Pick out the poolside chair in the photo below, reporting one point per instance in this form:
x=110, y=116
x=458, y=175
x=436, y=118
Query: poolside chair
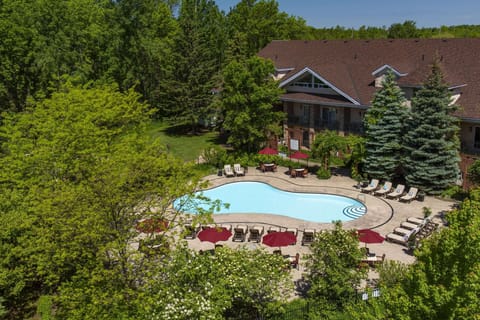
x=397, y=193
x=412, y=194
x=387, y=186
x=256, y=233
x=294, y=261
x=228, y=170
x=415, y=220
x=273, y=229
x=403, y=240
x=294, y=231
x=402, y=231
x=409, y=225
x=239, y=171
x=191, y=231
x=371, y=187
x=226, y=226
x=308, y=237
x=208, y=226
x=240, y=233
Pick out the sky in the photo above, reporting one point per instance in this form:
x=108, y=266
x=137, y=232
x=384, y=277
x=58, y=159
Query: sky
x=377, y=13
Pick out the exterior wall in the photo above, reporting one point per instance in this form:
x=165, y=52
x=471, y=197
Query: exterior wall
x=467, y=137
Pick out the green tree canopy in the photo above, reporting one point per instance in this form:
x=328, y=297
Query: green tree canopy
x=249, y=97
x=432, y=142
x=78, y=174
x=385, y=128
x=333, y=272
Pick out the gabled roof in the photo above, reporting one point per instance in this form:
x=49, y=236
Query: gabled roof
x=347, y=65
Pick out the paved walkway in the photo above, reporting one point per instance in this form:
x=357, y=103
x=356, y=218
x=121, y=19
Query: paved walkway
x=383, y=215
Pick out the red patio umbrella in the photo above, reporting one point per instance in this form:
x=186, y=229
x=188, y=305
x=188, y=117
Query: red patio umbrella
x=299, y=155
x=279, y=239
x=268, y=151
x=369, y=236
x=214, y=235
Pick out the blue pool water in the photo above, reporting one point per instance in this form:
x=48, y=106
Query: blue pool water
x=257, y=197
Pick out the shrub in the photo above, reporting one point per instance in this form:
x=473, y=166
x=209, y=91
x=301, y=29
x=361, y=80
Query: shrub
x=324, y=174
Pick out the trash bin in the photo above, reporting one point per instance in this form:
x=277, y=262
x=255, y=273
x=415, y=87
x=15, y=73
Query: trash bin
x=220, y=172
x=421, y=196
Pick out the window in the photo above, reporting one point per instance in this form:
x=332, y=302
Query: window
x=476, y=139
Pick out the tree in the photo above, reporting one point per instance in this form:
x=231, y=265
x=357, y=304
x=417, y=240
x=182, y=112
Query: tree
x=199, y=56
x=474, y=172
x=432, y=142
x=253, y=24
x=407, y=29
x=78, y=174
x=444, y=282
x=248, y=99
x=333, y=272
x=325, y=144
x=385, y=128
x=232, y=284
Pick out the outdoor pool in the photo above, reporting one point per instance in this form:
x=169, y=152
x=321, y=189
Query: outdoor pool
x=258, y=197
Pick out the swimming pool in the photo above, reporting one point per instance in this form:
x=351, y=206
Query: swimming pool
x=258, y=197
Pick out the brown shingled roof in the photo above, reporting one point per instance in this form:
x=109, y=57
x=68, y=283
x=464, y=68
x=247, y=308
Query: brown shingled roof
x=348, y=64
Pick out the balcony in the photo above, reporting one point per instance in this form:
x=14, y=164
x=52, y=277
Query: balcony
x=298, y=121
x=330, y=125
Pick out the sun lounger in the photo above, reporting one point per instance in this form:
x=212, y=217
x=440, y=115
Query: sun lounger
x=387, y=186
x=402, y=231
x=396, y=238
x=308, y=236
x=228, y=170
x=294, y=261
x=191, y=231
x=397, y=193
x=409, y=225
x=273, y=229
x=415, y=220
x=412, y=194
x=240, y=233
x=226, y=226
x=256, y=233
x=239, y=171
x=371, y=187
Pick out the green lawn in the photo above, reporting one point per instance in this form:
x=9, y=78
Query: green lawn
x=179, y=142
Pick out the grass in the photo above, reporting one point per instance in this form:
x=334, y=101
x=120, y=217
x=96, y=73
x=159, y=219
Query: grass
x=180, y=142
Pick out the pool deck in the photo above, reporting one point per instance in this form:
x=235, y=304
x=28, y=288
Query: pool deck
x=383, y=215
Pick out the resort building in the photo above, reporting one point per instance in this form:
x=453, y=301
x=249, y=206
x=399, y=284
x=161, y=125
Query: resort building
x=329, y=84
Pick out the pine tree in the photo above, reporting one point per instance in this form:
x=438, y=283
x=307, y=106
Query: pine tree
x=385, y=127
x=432, y=143
x=199, y=49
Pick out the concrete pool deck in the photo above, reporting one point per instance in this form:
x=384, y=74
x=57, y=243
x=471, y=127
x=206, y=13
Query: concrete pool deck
x=383, y=215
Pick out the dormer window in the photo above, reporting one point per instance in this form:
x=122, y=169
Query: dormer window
x=379, y=74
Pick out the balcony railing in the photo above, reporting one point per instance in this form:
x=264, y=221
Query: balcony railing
x=299, y=121
x=330, y=125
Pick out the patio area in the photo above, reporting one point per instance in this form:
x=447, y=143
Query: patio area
x=383, y=215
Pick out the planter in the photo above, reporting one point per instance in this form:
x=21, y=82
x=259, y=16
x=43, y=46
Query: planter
x=421, y=196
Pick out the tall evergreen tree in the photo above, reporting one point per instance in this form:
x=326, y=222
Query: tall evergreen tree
x=432, y=143
x=199, y=48
x=385, y=127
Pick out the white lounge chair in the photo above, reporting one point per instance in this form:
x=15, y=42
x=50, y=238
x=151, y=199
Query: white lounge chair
x=409, y=225
x=416, y=220
x=371, y=187
x=239, y=171
x=228, y=170
x=397, y=193
x=402, y=231
x=393, y=237
x=387, y=186
x=412, y=194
